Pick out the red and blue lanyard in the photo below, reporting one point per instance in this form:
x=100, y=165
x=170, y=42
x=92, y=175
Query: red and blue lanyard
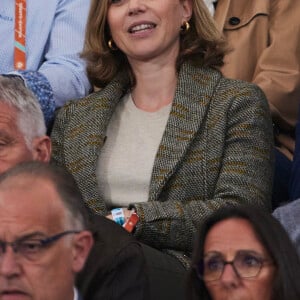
x=20, y=34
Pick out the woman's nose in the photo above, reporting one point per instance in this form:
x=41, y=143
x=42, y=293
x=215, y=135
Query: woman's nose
x=229, y=276
x=136, y=6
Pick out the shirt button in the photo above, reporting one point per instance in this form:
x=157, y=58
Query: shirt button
x=234, y=21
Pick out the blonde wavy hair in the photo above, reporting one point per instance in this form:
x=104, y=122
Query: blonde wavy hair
x=202, y=44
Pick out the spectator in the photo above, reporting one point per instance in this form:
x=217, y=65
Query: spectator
x=115, y=267
x=266, y=53
x=44, y=236
x=288, y=215
x=243, y=253
x=40, y=42
x=167, y=135
x=22, y=127
x=294, y=184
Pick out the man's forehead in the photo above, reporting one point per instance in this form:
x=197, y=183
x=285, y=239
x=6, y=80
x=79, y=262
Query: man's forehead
x=8, y=119
x=28, y=196
x=7, y=112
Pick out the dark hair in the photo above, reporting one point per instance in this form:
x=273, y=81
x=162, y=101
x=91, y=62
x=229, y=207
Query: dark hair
x=202, y=44
x=63, y=182
x=274, y=239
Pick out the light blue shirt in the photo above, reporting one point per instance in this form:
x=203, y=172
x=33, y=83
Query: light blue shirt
x=289, y=217
x=54, y=38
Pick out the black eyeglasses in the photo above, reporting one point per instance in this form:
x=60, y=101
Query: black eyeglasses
x=29, y=247
x=246, y=264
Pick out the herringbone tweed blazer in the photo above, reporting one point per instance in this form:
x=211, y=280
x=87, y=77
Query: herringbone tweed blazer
x=216, y=150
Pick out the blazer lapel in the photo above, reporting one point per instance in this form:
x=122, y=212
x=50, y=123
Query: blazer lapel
x=86, y=138
x=192, y=98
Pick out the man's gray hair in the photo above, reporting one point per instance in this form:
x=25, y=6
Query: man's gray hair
x=30, y=117
x=77, y=213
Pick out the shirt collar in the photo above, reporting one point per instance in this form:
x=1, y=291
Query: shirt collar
x=76, y=296
x=210, y=6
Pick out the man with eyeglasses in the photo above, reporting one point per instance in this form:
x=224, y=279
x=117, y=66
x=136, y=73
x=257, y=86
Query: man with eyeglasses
x=44, y=242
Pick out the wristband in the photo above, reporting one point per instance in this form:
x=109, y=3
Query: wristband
x=118, y=216
x=131, y=222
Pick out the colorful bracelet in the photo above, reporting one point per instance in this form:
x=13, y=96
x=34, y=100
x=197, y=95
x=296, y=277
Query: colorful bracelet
x=131, y=222
x=118, y=216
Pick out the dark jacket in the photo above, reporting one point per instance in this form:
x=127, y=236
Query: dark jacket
x=115, y=268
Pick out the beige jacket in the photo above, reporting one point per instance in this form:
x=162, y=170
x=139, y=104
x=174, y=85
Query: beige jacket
x=264, y=36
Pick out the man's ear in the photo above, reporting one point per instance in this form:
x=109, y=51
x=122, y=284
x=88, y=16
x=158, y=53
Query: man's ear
x=42, y=148
x=82, y=245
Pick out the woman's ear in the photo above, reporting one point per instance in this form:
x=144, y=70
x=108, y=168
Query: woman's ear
x=187, y=9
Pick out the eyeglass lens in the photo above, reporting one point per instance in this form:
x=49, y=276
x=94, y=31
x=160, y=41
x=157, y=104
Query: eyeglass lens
x=31, y=248
x=245, y=264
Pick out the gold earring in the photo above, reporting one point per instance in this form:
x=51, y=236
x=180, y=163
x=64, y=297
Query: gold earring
x=111, y=45
x=185, y=27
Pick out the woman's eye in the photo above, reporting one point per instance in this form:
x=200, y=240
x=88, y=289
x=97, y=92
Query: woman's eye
x=115, y=1
x=213, y=264
x=251, y=261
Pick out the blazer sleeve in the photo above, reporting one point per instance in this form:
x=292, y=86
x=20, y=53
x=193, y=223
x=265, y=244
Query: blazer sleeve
x=278, y=68
x=242, y=172
x=58, y=136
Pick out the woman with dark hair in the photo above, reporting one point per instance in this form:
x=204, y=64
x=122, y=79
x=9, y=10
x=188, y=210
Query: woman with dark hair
x=243, y=253
x=166, y=135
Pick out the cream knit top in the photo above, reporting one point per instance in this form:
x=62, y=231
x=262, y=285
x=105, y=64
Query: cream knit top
x=125, y=163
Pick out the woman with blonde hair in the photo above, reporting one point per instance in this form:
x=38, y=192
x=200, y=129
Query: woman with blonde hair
x=167, y=136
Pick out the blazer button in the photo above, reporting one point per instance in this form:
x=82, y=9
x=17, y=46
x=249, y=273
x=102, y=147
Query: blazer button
x=234, y=21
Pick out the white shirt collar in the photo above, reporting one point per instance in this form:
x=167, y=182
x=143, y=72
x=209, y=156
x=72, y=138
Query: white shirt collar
x=210, y=6
x=75, y=294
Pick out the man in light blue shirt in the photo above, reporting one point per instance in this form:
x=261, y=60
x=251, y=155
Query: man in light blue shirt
x=54, y=38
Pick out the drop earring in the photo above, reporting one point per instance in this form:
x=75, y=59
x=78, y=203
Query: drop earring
x=111, y=45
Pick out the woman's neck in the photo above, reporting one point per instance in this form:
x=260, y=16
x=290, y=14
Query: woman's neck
x=155, y=86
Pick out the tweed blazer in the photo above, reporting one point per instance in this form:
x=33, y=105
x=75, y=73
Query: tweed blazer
x=264, y=51
x=215, y=150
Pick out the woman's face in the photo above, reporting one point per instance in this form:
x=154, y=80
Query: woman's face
x=230, y=239
x=148, y=29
